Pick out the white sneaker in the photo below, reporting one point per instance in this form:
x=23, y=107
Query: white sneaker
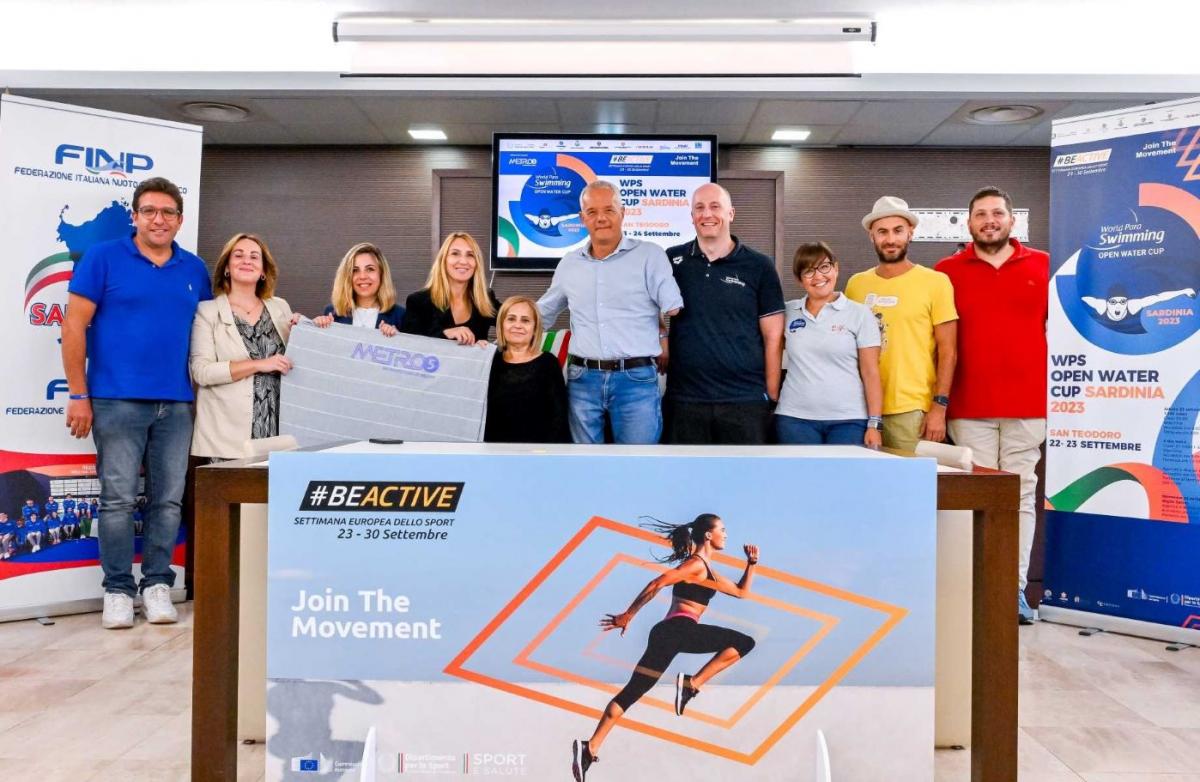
x=156, y=603
x=118, y=611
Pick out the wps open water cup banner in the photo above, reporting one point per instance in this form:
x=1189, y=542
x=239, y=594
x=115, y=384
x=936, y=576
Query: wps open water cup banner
x=1122, y=483
x=451, y=596
x=67, y=176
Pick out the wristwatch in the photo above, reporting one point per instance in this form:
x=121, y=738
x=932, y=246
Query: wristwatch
x=874, y=422
x=944, y=401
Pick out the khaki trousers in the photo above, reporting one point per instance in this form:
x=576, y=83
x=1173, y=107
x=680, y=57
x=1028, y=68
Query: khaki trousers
x=1013, y=445
x=902, y=430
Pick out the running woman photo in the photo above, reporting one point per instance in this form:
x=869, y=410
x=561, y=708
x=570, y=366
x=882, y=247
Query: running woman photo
x=693, y=583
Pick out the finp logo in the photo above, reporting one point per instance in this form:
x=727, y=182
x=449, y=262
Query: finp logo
x=55, y=387
x=100, y=161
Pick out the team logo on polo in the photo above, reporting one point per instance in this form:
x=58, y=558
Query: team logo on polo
x=796, y=324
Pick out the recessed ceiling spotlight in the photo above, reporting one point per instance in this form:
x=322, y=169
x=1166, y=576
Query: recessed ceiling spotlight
x=791, y=134
x=1003, y=115
x=211, y=111
x=427, y=134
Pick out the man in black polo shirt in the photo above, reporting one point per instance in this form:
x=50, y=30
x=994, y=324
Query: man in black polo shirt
x=725, y=346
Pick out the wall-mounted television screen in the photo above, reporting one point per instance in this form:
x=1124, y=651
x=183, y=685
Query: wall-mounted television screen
x=537, y=179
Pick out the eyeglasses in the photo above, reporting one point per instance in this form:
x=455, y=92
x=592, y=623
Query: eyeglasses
x=824, y=267
x=150, y=212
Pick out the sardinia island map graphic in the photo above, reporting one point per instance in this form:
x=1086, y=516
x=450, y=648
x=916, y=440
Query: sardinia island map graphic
x=110, y=222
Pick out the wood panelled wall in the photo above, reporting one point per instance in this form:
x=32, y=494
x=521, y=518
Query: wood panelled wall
x=311, y=204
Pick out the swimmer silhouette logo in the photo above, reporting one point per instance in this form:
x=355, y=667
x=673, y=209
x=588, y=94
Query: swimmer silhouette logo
x=1131, y=289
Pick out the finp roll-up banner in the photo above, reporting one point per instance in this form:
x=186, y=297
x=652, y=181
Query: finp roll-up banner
x=67, y=176
x=1122, y=484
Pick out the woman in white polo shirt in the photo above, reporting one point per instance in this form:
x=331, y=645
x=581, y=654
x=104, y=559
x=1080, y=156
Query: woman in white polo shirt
x=832, y=394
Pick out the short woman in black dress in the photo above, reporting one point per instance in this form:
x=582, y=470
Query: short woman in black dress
x=527, y=396
x=455, y=302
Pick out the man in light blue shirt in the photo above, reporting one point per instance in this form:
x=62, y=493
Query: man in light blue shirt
x=618, y=289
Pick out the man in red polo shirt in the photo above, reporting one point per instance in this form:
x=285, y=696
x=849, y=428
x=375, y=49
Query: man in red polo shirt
x=998, y=409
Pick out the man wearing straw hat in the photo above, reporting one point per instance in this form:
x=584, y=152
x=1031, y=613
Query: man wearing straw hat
x=918, y=322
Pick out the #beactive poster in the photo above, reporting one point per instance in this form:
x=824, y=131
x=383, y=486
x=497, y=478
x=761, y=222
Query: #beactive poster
x=1122, y=461
x=67, y=176
x=450, y=597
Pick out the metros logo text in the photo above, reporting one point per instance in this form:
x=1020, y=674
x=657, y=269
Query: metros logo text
x=100, y=161
x=396, y=359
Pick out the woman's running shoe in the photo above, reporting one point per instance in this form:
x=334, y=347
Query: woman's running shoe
x=684, y=692
x=581, y=760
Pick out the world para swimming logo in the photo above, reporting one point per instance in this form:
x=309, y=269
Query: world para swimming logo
x=1131, y=289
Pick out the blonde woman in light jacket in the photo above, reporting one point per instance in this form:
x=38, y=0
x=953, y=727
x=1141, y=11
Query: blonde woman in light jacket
x=238, y=340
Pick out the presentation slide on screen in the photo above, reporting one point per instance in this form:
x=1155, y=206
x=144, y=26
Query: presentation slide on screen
x=450, y=597
x=538, y=182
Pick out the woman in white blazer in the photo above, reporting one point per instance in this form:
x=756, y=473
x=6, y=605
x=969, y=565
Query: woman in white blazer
x=238, y=341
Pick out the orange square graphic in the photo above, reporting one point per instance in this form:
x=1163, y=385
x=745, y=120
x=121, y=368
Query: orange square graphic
x=893, y=616
x=524, y=657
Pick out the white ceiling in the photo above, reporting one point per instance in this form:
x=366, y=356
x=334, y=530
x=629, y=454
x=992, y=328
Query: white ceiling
x=933, y=62
x=356, y=118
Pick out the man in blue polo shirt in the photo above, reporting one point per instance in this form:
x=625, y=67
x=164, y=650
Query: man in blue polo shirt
x=618, y=290
x=129, y=321
x=726, y=346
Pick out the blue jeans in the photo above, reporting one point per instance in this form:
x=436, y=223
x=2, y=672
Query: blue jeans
x=129, y=433
x=630, y=397
x=805, y=431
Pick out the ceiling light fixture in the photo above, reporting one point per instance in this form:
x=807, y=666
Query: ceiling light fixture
x=383, y=28
x=1003, y=115
x=211, y=111
x=427, y=134
x=791, y=134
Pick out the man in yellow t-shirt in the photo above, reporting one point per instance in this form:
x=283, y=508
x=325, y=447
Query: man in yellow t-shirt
x=915, y=309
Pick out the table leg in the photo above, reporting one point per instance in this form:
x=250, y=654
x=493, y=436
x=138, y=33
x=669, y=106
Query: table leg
x=994, y=653
x=215, y=633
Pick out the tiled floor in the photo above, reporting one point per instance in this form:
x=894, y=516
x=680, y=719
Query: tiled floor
x=81, y=703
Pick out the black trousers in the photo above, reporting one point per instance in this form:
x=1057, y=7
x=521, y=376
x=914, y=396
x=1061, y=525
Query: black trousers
x=722, y=423
x=667, y=639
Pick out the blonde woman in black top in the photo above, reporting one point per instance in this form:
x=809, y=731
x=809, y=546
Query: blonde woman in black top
x=527, y=396
x=455, y=302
